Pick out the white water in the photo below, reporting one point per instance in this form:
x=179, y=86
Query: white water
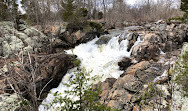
x=100, y=59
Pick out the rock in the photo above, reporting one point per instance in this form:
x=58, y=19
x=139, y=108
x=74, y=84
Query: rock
x=132, y=69
x=88, y=37
x=115, y=104
x=103, y=40
x=124, y=63
x=162, y=27
x=179, y=101
x=132, y=38
x=14, y=41
x=67, y=37
x=53, y=67
x=163, y=78
x=153, y=38
x=49, y=70
x=79, y=34
x=146, y=51
x=60, y=30
x=103, y=96
x=149, y=73
x=58, y=43
x=7, y=100
x=120, y=99
x=106, y=85
x=131, y=83
x=128, y=82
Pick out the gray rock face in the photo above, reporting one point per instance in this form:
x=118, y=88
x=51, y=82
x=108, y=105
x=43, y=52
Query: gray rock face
x=124, y=63
x=14, y=41
x=9, y=102
x=180, y=102
x=132, y=38
x=103, y=40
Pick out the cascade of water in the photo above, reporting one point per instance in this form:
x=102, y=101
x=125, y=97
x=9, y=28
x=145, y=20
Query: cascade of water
x=99, y=59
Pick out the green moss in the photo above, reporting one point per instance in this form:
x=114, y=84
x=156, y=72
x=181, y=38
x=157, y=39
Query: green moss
x=183, y=19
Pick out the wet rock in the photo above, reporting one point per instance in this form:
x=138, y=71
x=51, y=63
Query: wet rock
x=103, y=40
x=132, y=38
x=124, y=63
x=88, y=37
x=58, y=43
x=53, y=67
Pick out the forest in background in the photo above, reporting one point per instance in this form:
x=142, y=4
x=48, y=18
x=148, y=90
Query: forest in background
x=113, y=12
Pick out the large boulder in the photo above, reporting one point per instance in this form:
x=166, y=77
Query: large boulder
x=124, y=63
x=146, y=51
x=103, y=40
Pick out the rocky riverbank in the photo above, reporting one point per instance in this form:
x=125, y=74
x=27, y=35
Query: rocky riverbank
x=146, y=84
x=30, y=58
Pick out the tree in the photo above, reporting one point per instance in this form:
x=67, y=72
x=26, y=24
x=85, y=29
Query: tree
x=100, y=15
x=184, y=5
x=68, y=9
x=8, y=9
x=87, y=98
x=32, y=11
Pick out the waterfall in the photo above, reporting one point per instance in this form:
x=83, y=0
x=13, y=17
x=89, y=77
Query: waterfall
x=100, y=60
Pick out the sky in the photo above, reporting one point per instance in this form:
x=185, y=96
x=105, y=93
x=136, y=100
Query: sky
x=131, y=2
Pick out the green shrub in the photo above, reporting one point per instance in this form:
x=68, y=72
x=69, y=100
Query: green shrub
x=83, y=12
x=183, y=19
x=96, y=26
x=88, y=98
x=100, y=15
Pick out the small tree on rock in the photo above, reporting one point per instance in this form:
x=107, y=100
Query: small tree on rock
x=184, y=7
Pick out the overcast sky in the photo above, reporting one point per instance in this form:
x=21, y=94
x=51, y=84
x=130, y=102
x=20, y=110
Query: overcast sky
x=131, y=2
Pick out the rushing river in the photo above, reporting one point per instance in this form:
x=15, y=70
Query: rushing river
x=100, y=60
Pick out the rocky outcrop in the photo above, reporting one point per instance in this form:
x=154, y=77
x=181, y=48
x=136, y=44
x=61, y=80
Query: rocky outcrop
x=179, y=80
x=136, y=89
x=159, y=38
x=48, y=72
x=77, y=33
x=13, y=41
x=144, y=85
